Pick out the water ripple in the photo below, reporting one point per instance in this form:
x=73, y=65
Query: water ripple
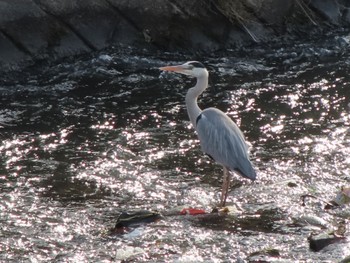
x=85, y=139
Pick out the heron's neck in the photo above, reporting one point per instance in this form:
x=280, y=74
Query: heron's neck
x=191, y=98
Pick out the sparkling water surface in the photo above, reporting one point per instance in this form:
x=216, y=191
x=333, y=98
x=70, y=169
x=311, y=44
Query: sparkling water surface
x=89, y=137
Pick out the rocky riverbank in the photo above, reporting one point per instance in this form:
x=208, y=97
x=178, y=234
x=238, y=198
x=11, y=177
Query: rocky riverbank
x=31, y=30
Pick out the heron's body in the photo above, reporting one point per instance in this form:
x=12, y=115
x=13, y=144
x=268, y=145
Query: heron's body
x=222, y=140
x=219, y=136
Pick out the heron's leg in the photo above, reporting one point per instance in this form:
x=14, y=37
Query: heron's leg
x=225, y=187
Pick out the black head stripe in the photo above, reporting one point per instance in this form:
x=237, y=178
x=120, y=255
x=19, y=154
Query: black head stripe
x=197, y=64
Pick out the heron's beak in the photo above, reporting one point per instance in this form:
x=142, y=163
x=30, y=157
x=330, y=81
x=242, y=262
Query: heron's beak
x=179, y=69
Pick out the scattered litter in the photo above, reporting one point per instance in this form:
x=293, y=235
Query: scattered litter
x=192, y=211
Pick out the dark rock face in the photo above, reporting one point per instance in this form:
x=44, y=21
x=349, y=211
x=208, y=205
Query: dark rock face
x=330, y=9
x=48, y=29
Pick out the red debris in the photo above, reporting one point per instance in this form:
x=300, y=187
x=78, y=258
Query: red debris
x=192, y=211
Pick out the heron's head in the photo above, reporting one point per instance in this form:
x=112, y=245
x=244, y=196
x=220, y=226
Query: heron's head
x=191, y=68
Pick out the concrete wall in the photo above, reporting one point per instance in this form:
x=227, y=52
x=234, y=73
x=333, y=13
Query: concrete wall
x=49, y=29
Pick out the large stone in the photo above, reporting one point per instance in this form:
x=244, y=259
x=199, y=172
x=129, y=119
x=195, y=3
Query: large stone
x=330, y=9
x=237, y=13
x=50, y=28
x=23, y=23
x=10, y=55
x=176, y=24
x=93, y=22
x=271, y=12
x=33, y=32
x=346, y=16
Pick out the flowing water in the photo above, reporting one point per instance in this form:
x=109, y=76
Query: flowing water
x=89, y=137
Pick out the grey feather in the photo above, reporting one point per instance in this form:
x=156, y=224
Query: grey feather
x=221, y=138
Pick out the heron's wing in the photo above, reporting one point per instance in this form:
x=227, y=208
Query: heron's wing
x=222, y=140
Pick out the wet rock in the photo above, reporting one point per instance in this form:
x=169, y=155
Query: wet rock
x=346, y=16
x=236, y=13
x=272, y=11
x=214, y=220
x=312, y=220
x=126, y=219
x=292, y=184
x=266, y=255
x=95, y=26
x=16, y=31
x=343, y=42
x=265, y=219
x=34, y=33
x=345, y=260
x=343, y=196
x=9, y=53
x=341, y=201
x=39, y=29
x=175, y=24
x=330, y=9
x=128, y=253
x=320, y=241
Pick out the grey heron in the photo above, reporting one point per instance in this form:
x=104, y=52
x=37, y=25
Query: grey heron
x=219, y=136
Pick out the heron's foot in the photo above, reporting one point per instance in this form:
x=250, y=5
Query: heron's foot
x=221, y=210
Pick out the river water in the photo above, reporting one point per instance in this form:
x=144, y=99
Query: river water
x=88, y=137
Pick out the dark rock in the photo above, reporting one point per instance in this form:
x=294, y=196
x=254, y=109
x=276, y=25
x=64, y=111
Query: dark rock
x=35, y=34
x=266, y=255
x=272, y=12
x=346, y=15
x=237, y=13
x=49, y=29
x=10, y=55
x=92, y=22
x=127, y=219
x=17, y=22
x=177, y=24
x=318, y=242
x=330, y=9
